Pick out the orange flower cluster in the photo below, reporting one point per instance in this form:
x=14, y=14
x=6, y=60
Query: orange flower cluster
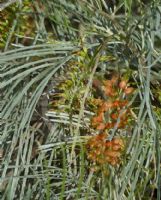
x=101, y=151
x=109, y=111
x=111, y=86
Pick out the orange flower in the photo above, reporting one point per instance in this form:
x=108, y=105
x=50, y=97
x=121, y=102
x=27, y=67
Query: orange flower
x=123, y=84
x=111, y=153
x=109, y=125
x=102, y=151
x=114, y=79
x=114, y=162
x=92, y=156
x=129, y=90
x=116, y=147
x=101, y=136
x=109, y=144
x=108, y=87
x=121, y=125
x=97, y=102
x=107, y=83
x=105, y=106
x=101, y=126
x=97, y=139
x=97, y=119
x=118, y=141
x=92, y=143
x=109, y=91
x=123, y=103
x=114, y=115
x=116, y=103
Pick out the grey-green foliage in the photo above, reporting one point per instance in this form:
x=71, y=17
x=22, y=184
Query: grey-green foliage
x=51, y=172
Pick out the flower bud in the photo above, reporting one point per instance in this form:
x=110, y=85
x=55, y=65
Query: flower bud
x=122, y=84
x=128, y=90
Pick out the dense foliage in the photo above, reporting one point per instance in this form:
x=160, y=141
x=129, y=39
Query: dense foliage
x=80, y=100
